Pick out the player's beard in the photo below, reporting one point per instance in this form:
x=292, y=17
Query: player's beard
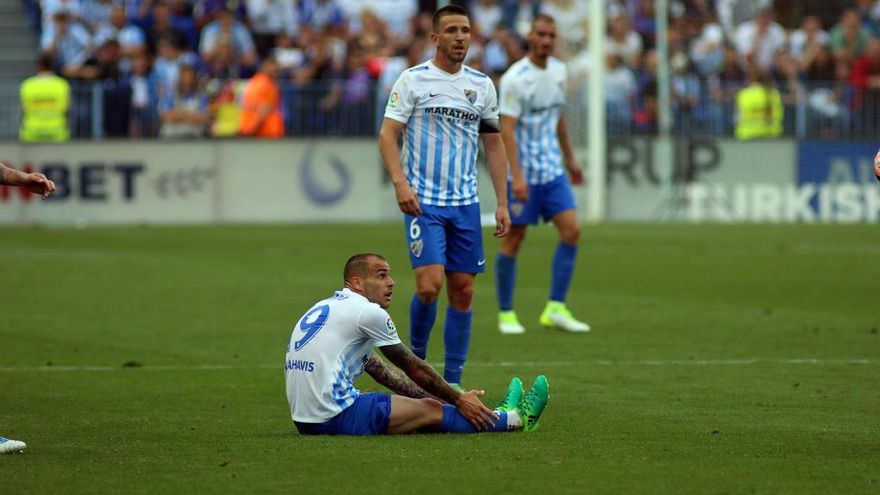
x=456, y=56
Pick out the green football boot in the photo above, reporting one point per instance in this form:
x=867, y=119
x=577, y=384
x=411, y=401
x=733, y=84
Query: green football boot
x=557, y=315
x=514, y=396
x=533, y=404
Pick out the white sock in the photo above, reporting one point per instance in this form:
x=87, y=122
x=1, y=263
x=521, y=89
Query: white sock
x=514, y=422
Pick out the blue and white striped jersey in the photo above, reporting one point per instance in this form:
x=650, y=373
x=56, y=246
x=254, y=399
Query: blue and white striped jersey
x=534, y=96
x=326, y=353
x=442, y=114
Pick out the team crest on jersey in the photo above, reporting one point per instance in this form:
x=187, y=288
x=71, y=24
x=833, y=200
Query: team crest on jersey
x=389, y=325
x=393, y=99
x=517, y=208
x=471, y=95
x=416, y=247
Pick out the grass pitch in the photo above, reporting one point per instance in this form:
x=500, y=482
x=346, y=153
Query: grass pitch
x=723, y=359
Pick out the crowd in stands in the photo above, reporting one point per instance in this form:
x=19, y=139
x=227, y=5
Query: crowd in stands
x=178, y=67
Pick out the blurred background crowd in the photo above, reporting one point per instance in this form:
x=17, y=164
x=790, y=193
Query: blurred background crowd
x=177, y=68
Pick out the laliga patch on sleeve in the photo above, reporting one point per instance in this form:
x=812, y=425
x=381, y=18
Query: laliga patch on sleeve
x=389, y=325
x=393, y=99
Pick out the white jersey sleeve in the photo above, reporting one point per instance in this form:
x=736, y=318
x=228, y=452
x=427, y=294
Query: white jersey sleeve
x=490, y=109
x=376, y=324
x=401, y=100
x=511, y=106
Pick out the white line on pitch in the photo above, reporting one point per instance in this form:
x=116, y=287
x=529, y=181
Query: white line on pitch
x=500, y=364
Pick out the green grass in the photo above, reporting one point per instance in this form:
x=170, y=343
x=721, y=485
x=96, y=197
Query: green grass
x=689, y=382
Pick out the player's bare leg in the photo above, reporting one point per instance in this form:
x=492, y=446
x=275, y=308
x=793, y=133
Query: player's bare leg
x=429, y=281
x=408, y=415
x=505, y=280
x=556, y=314
x=460, y=290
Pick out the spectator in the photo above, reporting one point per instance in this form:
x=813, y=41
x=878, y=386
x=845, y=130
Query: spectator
x=168, y=61
x=707, y=48
x=375, y=42
x=865, y=80
x=723, y=88
x=808, y=38
x=143, y=117
x=733, y=13
x=206, y=11
x=261, y=104
x=183, y=112
x=321, y=15
x=645, y=105
x=757, y=41
x=623, y=41
x=130, y=37
x=398, y=16
x=869, y=11
x=519, y=15
x=644, y=20
x=226, y=30
x=51, y=7
x=289, y=56
x=620, y=90
x=95, y=14
x=572, y=21
x=826, y=111
x=685, y=94
x=68, y=43
x=485, y=15
x=45, y=100
x=160, y=26
x=849, y=38
x=183, y=21
x=102, y=65
x=225, y=65
x=270, y=18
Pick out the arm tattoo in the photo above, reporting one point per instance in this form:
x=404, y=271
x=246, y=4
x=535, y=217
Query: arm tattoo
x=420, y=372
x=393, y=378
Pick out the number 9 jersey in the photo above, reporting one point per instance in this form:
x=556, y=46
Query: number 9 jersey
x=326, y=353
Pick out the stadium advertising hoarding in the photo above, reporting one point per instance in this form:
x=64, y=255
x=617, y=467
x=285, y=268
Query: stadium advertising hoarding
x=336, y=180
x=696, y=179
x=839, y=181
x=733, y=181
x=199, y=182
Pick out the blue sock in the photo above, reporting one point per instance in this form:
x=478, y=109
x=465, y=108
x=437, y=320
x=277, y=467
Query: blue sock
x=505, y=279
x=563, y=269
x=454, y=422
x=456, y=338
x=421, y=321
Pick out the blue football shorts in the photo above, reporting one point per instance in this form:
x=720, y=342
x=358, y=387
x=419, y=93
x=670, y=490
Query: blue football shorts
x=545, y=201
x=446, y=235
x=369, y=414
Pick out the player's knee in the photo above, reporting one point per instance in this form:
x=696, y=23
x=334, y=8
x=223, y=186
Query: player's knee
x=515, y=238
x=460, y=297
x=431, y=412
x=428, y=294
x=571, y=234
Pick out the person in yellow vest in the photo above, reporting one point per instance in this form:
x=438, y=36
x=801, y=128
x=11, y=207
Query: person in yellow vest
x=45, y=100
x=759, y=108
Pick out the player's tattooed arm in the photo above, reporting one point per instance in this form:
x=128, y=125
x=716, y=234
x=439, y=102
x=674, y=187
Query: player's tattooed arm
x=420, y=372
x=393, y=378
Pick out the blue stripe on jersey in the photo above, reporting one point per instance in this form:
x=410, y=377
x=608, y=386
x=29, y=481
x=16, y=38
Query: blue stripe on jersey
x=420, y=176
x=440, y=167
x=538, y=146
x=474, y=73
